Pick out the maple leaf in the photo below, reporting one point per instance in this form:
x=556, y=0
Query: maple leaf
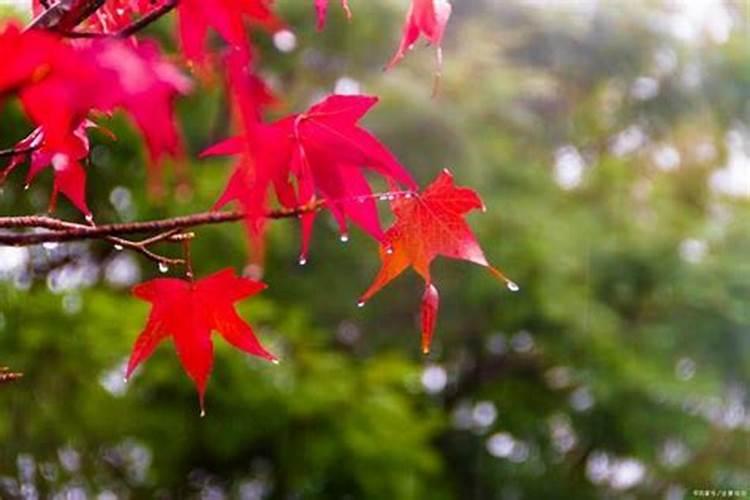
x=429, y=225
x=321, y=11
x=69, y=175
x=324, y=150
x=146, y=86
x=59, y=85
x=250, y=95
x=189, y=312
x=427, y=18
x=226, y=17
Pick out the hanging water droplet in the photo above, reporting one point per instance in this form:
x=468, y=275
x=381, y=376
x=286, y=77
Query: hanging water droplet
x=26, y=187
x=361, y=199
x=89, y=218
x=302, y=260
x=50, y=245
x=391, y=197
x=408, y=195
x=344, y=238
x=361, y=303
x=389, y=250
x=203, y=413
x=275, y=361
x=513, y=287
x=383, y=197
x=124, y=380
x=118, y=247
x=163, y=267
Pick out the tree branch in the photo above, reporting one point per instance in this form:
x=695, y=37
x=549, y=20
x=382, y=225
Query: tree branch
x=59, y=231
x=16, y=151
x=132, y=28
x=148, y=19
x=63, y=11
x=8, y=376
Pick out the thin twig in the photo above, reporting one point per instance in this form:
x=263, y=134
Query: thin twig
x=8, y=376
x=148, y=19
x=132, y=28
x=51, y=18
x=16, y=151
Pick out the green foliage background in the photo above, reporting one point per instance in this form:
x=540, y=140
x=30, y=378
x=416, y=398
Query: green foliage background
x=598, y=134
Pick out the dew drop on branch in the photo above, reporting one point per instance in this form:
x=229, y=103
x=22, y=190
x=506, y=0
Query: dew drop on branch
x=163, y=267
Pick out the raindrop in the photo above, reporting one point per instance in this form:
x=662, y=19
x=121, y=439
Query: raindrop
x=383, y=197
x=361, y=303
x=302, y=261
x=203, y=413
x=89, y=218
x=26, y=187
x=513, y=287
x=344, y=238
x=389, y=250
x=163, y=268
x=118, y=247
x=50, y=245
x=275, y=361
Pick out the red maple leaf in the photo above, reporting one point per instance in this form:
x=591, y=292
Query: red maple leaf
x=323, y=150
x=321, y=11
x=428, y=225
x=60, y=84
x=250, y=94
x=189, y=312
x=427, y=18
x=226, y=17
x=69, y=175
